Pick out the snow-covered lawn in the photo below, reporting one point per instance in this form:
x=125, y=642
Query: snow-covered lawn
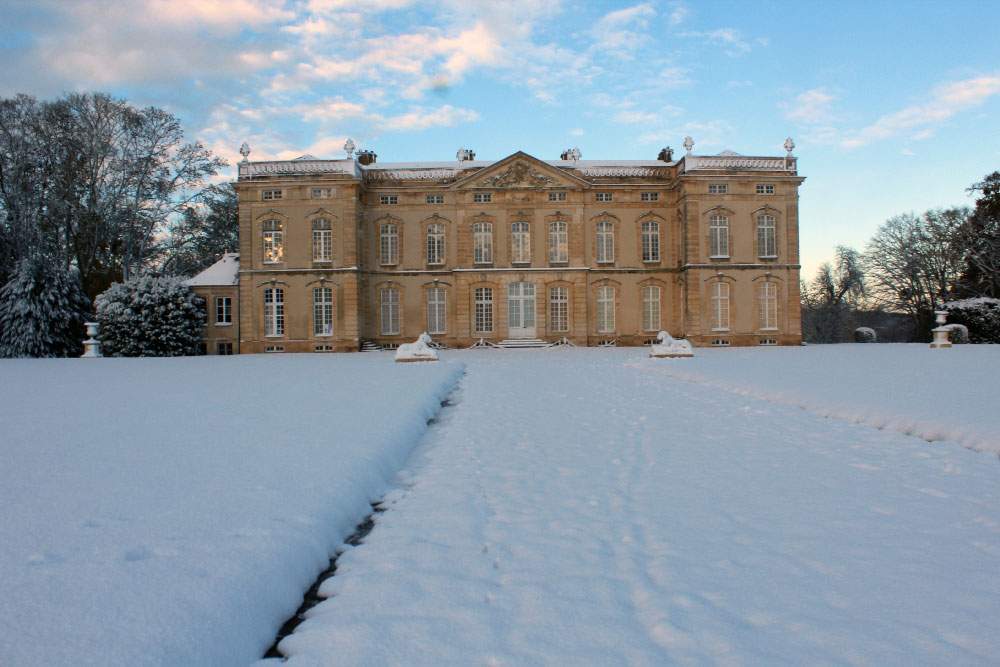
x=574, y=506
x=172, y=511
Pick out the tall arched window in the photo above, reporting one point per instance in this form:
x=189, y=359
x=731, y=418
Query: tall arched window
x=389, y=297
x=605, y=309
x=322, y=311
x=520, y=243
x=719, y=306
x=435, y=243
x=651, y=308
x=273, y=246
x=483, y=310
x=605, y=245
x=651, y=241
x=274, y=312
x=767, y=298
x=388, y=244
x=558, y=242
x=718, y=236
x=322, y=240
x=559, y=308
x=437, y=321
x=766, y=246
x=482, y=243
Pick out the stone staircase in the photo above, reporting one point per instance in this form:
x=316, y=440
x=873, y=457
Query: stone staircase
x=368, y=346
x=523, y=343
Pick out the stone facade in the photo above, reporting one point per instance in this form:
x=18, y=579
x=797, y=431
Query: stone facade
x=336, y=252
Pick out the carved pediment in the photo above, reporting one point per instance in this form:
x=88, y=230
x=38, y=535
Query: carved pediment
x=518, y=175
x=521, y=171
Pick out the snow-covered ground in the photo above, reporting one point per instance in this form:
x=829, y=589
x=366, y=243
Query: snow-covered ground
x=172, y=511
x=574, y=506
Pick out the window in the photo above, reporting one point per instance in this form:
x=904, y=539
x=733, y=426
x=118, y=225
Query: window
x=434, y=199
x=272, y=242
x=223, y=310
x=720, y=342
x=559, y=308
x=482, y=243
x=768, y=305
x=768, y=341
x=483, y=309
x=603, y=196
x=321, y=193
x=605, y=245
x=717, y=188
x=390, y=311
x=558, y=242
x=388, y=244
x=437, y=322
x=650, y=196
x=650, y=241
x=557, y=196
x=605, y=309
x=323, y=311
x=274, y=312
x=270, y=195
x=765, y=236
x=719, y=306
x=651, y=308
x=224, y=349
x=435, y=243
x=482, y=197
x=322, y=240
x=718, y=236
x=323, y=348
x=520, y=243
x=274, y=348
x=765, y=189
x=388, y=200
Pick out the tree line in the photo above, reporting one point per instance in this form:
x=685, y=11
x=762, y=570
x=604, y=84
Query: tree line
x=95, y=191
x=912, y=266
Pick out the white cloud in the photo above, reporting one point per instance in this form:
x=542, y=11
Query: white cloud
x=678, y=13
x=809, y=108
x=624, y=30
x=578, y=132
x=729, y=38
x=945, y=101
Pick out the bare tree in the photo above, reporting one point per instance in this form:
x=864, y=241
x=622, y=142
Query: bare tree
x=832, y=296
x=979, y=240
x=913, y=262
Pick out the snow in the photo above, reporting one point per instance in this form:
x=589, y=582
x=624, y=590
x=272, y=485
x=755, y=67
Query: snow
x=575, y=505
x=173, y=511
x=932, y=394
x=223, y=272
x=669, y=347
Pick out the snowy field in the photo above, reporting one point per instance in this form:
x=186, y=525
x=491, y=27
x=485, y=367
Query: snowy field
x=575, y=506
x=172, y=511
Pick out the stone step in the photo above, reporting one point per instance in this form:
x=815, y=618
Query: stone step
x=523, y=343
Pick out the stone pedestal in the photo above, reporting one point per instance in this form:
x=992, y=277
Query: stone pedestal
x=941, y=332
x=92, y=346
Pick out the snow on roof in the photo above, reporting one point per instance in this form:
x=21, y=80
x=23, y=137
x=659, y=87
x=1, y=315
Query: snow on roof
x=729, y=154
x=223, y=272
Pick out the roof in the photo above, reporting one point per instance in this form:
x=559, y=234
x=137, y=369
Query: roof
x=223, y=272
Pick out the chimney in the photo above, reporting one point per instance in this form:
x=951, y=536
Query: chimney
x=367, y=158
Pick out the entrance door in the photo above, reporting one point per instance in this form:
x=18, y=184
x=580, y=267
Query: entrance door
x=521, y=310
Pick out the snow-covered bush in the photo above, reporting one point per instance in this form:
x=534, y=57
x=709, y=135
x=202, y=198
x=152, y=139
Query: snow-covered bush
x=42, y=311
x=958, y=333
x=981, y=316
x=864, y=335
x=150, y=317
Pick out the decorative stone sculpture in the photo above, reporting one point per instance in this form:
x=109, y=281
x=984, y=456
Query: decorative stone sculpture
x=349, y=148
x=92, y=346
x=245, y=151
x=941, y=332
x=419, y=350
x=670, y=347
x=688, y=144
x=789, y=145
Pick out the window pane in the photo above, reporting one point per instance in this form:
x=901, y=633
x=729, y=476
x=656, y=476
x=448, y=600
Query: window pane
x=605, y=309
x=482, y=240
x=436, y=316
x=390, y=311
x=605, y=249
x=559, y=308
x=389, y=244
x=558, y=242
x=650, y=242
x=483, y=309
x=651, y=308
x=719, y=306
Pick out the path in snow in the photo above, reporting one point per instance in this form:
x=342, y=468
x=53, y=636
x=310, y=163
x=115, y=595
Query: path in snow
x=601, y=512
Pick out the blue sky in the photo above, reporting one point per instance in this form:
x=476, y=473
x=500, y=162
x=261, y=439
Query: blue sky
x=894, y=106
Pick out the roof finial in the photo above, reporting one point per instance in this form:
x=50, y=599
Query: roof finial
x=688, y=144
x=245, y=151
x=349, y=147
x=789, y=145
